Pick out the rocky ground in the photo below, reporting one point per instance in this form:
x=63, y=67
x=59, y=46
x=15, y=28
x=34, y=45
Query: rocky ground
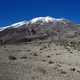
x=39, y=61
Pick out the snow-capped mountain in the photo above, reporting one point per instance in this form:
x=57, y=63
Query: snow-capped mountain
x=34, y=20
x=36, y=28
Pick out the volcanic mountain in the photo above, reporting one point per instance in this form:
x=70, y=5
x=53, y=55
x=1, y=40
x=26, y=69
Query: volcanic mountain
x=40, y=28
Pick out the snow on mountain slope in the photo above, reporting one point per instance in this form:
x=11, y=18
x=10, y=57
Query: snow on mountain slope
x=15, y=25
x=45, y=19
x=34, y=20
x=30, y=30
x=19, y=24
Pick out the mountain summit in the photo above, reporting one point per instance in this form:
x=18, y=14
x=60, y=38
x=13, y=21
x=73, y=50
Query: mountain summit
x=45, y=19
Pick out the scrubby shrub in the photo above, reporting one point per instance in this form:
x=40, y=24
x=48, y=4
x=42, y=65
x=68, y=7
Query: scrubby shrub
x=12, y=58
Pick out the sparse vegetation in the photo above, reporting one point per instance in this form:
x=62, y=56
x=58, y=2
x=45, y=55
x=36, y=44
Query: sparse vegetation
x=35, y=54
x=73, y=69
x=51, y=62
x=23, y=57
x=12, y=57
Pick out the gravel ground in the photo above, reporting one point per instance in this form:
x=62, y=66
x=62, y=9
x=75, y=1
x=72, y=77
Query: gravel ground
x=39, y=61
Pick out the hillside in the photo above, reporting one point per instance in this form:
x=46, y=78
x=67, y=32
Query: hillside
x=43, y=48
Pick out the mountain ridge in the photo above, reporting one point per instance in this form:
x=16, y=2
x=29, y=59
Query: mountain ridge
x=33, y=21
x=38, y=28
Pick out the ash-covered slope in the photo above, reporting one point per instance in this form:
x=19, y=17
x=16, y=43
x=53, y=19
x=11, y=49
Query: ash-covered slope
x=38, y=28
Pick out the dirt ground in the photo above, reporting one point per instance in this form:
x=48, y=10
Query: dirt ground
x=39, y=61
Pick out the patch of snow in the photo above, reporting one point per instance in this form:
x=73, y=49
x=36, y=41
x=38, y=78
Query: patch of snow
x=18, y=24
x=15, y=25
x=34, y=20
x=45, y=19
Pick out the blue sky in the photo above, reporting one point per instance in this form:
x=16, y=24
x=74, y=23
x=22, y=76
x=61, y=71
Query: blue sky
x=12, y=11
